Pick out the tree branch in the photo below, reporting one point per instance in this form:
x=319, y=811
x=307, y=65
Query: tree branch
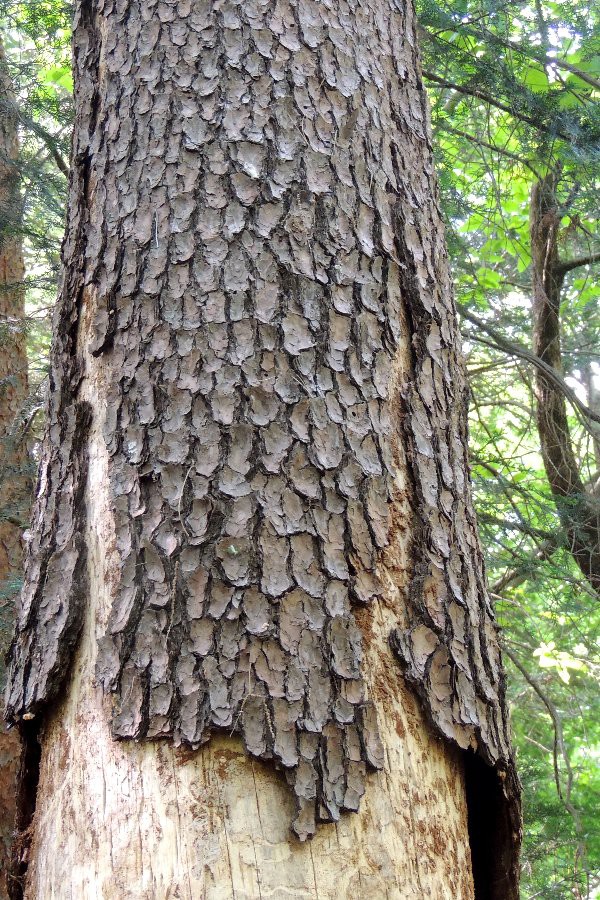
x=41, y=132
x=515, y=577
x=543, y=58
x=569, y=264
x=50, y=143
x=502, y=343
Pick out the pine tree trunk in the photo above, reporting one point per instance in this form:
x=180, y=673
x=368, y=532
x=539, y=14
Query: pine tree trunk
x=14, y=482
x=253, y=514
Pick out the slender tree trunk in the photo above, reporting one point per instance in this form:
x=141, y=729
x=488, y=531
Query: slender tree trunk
x=253, y=510
x=577, y=506
x=14, y=481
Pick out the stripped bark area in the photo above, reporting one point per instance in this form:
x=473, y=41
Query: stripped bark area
x=253, y=232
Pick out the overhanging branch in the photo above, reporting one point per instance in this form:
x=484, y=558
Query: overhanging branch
x=530, y=52
x=514, y=349
x=473, y=139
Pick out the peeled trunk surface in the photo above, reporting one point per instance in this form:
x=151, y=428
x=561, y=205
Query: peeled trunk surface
x=14, y=480
x=255, y=482
x=145, y=821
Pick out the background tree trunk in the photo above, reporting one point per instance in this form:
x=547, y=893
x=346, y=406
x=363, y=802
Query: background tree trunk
x=14, y=481
x=255, y=481
x=578, y=507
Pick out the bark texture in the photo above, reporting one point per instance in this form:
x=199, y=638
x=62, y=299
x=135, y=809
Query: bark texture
x=578, y=507
x=15, y=484
x=253, y=244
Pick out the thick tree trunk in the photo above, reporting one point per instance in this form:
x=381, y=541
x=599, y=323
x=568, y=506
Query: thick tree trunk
x=15, y=484
x=254, y=500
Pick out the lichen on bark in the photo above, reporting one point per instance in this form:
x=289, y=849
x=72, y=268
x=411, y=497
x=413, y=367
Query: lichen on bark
x=251, y=223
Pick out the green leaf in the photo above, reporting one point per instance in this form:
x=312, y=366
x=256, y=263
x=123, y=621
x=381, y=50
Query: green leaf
x=59, y=76
x=536, y=78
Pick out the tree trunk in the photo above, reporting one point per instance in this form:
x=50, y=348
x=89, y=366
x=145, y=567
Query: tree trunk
x=578, y=508
x=14, y=481
x=253, y=510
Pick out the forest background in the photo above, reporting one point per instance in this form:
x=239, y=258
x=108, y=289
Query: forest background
x=515, y=97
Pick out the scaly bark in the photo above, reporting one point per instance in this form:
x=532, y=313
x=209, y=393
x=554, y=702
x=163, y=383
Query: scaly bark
x=256, y=337
x=14, y=480
x=578, y=508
